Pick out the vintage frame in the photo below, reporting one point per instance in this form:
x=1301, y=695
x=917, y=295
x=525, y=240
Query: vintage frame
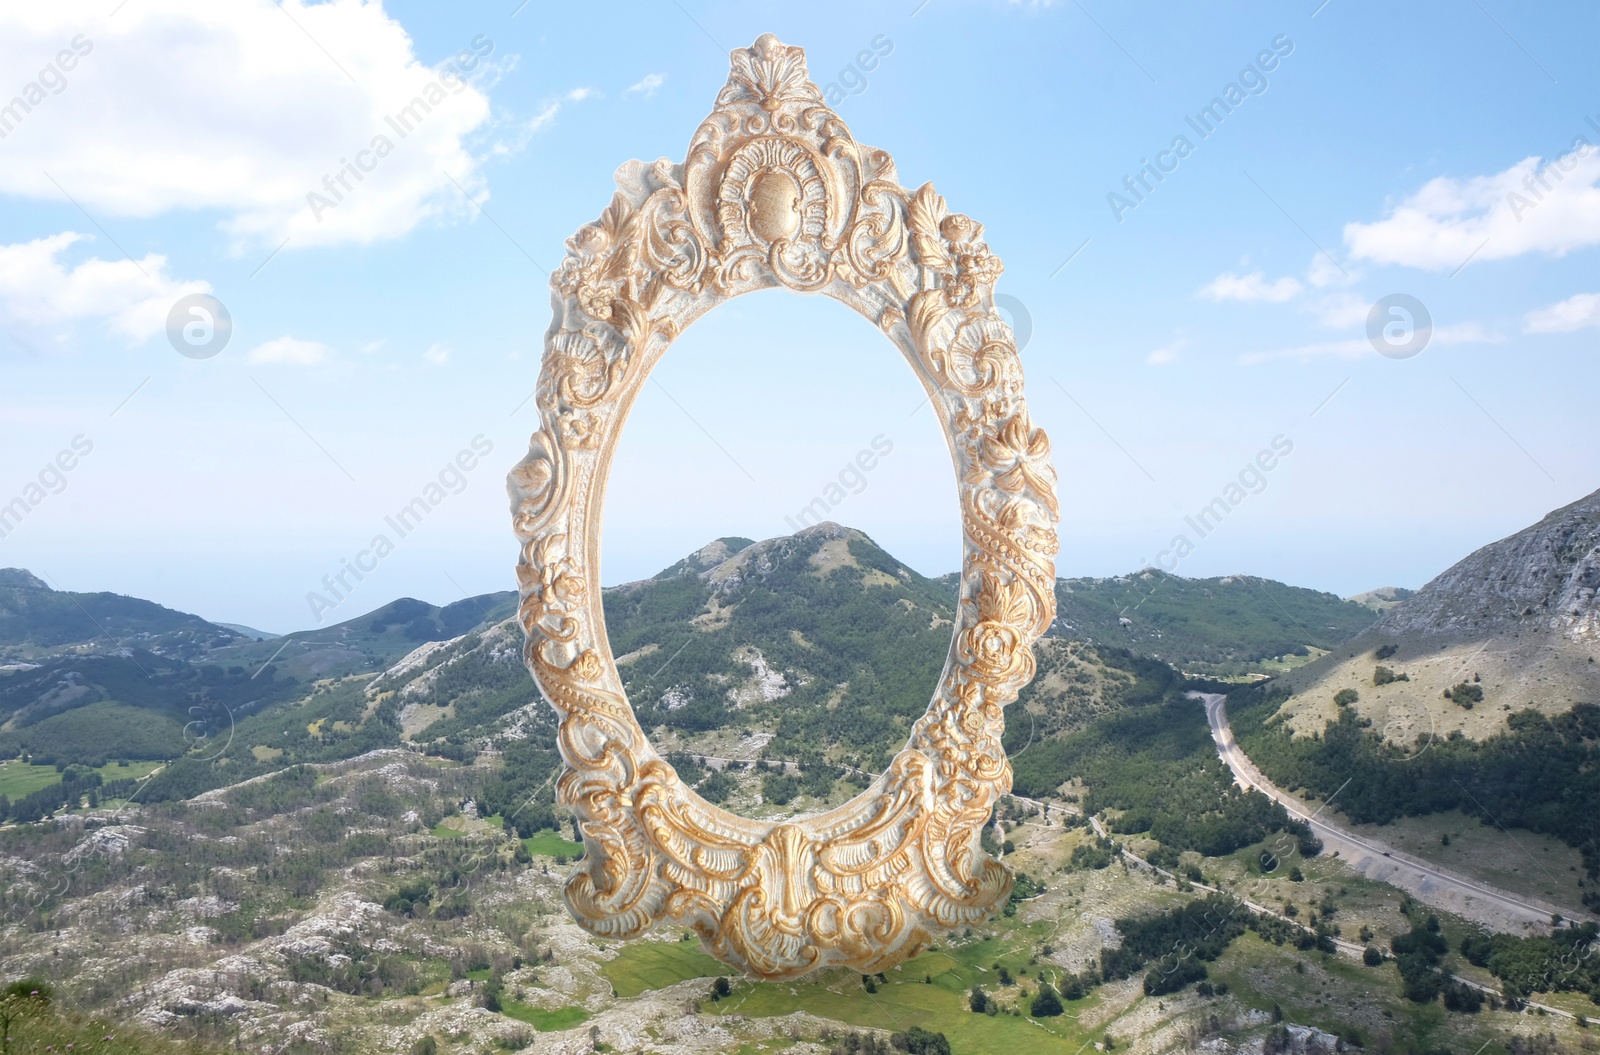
x=776, y=192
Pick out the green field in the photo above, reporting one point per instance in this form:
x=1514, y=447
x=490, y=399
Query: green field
x=645, y=965
x=18, y=779
x=550, y=844
x=542, y=1020
x=938, y=1003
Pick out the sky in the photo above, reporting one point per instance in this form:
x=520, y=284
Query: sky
x=1380, y=256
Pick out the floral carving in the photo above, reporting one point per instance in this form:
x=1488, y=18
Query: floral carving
x=776, y=192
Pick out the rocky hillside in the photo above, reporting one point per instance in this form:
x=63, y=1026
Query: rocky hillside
x=1544, y=579
x=1514, y=625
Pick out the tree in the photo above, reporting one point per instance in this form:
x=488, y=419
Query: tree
x=720, y=988
x=1462, y=998
x=489, y=995
x=978, y=1000
x=1346, y=697
x=1047, y=1004
x=1371, y=956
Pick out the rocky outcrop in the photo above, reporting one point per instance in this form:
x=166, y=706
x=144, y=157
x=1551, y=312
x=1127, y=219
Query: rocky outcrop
x=1544, y=576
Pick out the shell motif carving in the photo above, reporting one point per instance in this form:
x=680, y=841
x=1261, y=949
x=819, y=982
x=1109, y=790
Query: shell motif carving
x=776, y=192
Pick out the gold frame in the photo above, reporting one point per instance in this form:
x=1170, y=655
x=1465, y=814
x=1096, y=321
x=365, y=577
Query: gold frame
x=776, y=192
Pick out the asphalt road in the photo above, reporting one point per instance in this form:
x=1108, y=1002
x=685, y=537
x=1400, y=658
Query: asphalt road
x=1489, y=905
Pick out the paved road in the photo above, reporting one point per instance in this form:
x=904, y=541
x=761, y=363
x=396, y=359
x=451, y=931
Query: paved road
x=1495, y=908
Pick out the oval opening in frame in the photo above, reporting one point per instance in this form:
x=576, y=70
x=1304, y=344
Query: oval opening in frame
x=781, y=543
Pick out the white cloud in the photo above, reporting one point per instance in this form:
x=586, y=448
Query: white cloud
x=291, y=350
x=1529, y=208
x=1465, y=333
x=522, y=133
x=1357, y=347
x=1325, y=271
x=1351, y=349
x=647, y=85
x=1564, y=316
x=1167, y=354
x=250, y=109
x=1251, y=287
x=544, y=118
x=437, y=354
x=39, y=292
x=1342, y=310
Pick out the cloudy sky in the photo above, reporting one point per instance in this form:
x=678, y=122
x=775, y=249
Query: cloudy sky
x=1192, y=287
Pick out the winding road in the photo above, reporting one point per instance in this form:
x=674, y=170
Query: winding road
x=1496, y=909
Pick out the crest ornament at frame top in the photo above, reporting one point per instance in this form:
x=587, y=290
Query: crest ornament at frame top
x=774, y=191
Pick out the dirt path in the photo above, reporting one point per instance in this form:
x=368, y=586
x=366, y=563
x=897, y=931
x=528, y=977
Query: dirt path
x=1499, y=910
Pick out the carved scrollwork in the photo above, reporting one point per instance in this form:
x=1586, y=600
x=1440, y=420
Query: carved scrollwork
x=775, y=191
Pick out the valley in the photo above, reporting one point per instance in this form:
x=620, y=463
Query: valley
x=347, y=840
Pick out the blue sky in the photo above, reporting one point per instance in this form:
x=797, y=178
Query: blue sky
x=1434, y=150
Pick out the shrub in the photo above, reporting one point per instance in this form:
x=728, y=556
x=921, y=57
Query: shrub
x=716, y=787
x=1462, y=998
x=1345, y=697
x=978, y=1000
x=1386, y=651
x=919, y=1041
x=779, y=788
x=1371, y=956
x=1047, y=1004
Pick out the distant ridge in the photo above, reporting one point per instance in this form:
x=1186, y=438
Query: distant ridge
x=1383, y=598
x=250, y=632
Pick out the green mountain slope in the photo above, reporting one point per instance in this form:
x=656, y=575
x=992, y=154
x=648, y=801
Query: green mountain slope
x=36, y=621
x=88, y=678
x=1225, y=626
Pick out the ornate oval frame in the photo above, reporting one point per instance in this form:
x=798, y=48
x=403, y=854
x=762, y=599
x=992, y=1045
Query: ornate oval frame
x=776, y=192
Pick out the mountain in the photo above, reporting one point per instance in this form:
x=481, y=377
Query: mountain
x=822, y=645
x=1515, y=622
x=37, y=621
x=325, y=876
x=1232, y=625
x=1543, y=579
x=818, y=645
x=91, y=677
